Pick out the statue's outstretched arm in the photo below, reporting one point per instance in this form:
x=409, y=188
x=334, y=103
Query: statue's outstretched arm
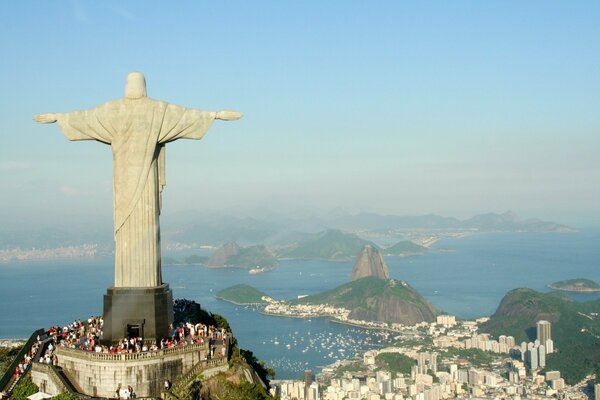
x=228, y=115
x=48, y=118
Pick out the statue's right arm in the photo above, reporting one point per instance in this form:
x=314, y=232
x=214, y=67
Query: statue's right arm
x=49, y=118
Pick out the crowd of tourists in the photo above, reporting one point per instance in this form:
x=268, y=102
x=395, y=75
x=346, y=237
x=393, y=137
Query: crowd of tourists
x=25, y=363
x=85, y=335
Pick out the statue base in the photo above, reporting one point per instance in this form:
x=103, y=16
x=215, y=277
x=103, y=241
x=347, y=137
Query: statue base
x=143, y=312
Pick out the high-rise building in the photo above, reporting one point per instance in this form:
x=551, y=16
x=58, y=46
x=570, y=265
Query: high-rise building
x=313, y=391
x=531, y=356
x=426, y=361
x=541, y=356
x=544, y=331
x=308, y=379
x=550, y=347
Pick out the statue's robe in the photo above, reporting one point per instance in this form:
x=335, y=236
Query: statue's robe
x=137, y=131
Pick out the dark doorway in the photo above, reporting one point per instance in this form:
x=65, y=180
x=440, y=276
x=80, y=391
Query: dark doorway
x=134, y=331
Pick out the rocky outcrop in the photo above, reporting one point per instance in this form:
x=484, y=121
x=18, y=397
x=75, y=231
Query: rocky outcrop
x=370, y=262
x=223, y=253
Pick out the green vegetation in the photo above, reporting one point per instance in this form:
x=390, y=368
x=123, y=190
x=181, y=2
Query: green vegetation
x=329, y=245
x=244, y=390
x=192, y=312
x=224, y=385
x=25, y=387
x=477, y=357
x=7, y=355
x=576, y=285
x=375, y=299
x=355, y=366
x=396, y=363
x=241, y=294
x=265, y=373
x=66, y=396
x=575, y=328
x=405, y=248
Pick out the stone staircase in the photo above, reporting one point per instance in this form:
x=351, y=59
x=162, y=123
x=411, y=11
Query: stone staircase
x=185, y=380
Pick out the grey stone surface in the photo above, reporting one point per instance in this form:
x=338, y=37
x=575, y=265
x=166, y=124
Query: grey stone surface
x=137, y=128
x=137, y=312
x=370, y=262
x=100, y=374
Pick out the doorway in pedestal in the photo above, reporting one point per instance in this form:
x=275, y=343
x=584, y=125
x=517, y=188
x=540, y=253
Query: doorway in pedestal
x=134, y=330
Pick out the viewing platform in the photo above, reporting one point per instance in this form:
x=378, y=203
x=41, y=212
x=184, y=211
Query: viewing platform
x=101, y=374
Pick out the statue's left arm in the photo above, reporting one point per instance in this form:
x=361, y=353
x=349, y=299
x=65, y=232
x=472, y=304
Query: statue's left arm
x=180, y=122
x=78, y=125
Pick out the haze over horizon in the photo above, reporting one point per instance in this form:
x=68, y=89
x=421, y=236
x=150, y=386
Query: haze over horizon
x=396, y=108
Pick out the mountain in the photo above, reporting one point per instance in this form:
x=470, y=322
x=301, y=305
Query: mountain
x=375, y=299
x=242, y=295
x=405, y=248
x=253, y=256
x=575, y=328
x=370, y=262
x=331, y=244
x=221, y=256
x=232, y=255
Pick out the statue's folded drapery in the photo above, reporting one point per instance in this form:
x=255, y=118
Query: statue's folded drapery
x=136, y=130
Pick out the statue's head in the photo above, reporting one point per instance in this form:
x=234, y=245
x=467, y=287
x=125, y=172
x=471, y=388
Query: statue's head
x=135, y=87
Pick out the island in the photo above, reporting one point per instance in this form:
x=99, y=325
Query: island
x=242, y=295
x=576, y=285
x=405, y=248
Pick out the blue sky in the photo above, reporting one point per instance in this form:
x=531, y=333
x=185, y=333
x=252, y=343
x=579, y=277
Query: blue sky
x=454, y=108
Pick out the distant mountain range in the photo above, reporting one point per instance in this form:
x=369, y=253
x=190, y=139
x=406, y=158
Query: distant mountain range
x=270, y=229
x=508, y=221
x=278, y=231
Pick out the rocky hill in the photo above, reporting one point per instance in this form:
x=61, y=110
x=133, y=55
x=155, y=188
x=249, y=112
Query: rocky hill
x=575, y=328
x=375, y=299
x=222, y=254
x=370, y=262
x=331, y=244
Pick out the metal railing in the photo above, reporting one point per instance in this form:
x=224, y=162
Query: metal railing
x=93, y=356
x=18, y=359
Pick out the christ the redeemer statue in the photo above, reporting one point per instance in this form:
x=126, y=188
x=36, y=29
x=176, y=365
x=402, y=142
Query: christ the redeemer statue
x=137, y=129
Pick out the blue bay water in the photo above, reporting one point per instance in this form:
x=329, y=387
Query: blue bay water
x=467, y=277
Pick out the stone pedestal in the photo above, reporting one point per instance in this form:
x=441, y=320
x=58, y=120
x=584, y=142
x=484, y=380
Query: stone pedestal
x=137, y=312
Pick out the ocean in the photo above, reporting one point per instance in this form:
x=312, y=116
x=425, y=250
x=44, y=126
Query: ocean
x=466, y=277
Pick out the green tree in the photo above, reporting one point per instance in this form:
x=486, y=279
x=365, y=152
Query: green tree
x=7, y=355
x=25, y=387
x=66, y=396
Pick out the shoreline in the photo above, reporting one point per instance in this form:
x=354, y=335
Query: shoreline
x=337, y=321
x=574, y=289
x=239, y=304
